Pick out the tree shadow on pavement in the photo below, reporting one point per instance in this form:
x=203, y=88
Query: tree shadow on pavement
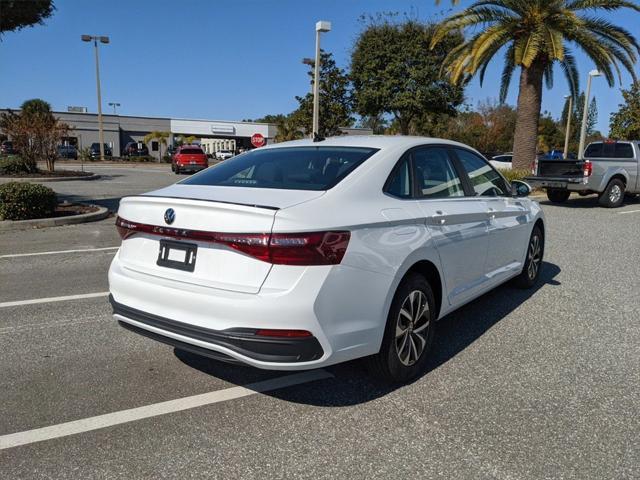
x=352, y=384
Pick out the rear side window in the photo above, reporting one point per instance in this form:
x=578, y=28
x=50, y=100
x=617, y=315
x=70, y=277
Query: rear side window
x=191, y=151
x=289, y=168
x=399, y=183
x=594, y=150
x=624, y=150
x=484, y=179
x=435, y=175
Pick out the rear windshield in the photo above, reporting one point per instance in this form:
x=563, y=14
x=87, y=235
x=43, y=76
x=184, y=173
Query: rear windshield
x=609, y=150
x=291, y=168
x=191, y=151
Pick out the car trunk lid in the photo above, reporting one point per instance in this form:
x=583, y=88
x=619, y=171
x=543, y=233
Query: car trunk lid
x=203, y=209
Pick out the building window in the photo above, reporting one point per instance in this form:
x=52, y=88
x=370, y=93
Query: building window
x=154, y=146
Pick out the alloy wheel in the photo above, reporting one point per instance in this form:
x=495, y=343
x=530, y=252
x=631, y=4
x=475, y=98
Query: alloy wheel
x=615, y=194
x=412, y=328
x=534, y=256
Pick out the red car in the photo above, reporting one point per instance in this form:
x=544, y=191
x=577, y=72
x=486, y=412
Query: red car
x=189, y=158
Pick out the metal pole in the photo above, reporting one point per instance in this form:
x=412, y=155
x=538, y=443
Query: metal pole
x=100, y=130
x=583, y=129
x=568, y=127
x=316, y=89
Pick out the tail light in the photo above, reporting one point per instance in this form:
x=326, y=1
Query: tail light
x=534, y=166
x=313, y=248
x=587, y=168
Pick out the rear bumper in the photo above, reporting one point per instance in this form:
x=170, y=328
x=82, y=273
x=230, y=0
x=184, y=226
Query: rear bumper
x=221, y=324
x=191, y=168
x=575, y=184
x=242, y=341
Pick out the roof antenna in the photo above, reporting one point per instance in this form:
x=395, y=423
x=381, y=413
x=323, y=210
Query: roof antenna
x=317, y=137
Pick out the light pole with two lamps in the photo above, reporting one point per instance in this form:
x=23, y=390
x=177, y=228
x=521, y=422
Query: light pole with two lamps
x=321, y=26
x=114, y=105
x=95, y=39
x=585, y=113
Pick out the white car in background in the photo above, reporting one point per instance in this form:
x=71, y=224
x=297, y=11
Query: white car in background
x=305, y=254
x=502, y=162
x=224, y=154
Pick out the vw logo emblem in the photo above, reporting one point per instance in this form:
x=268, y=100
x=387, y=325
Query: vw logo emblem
x=169, y=216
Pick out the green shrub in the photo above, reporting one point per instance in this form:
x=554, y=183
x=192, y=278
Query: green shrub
x=142, y=158
x=84, y=154
x=23, y=201
x=512, y=175
x=11, y=164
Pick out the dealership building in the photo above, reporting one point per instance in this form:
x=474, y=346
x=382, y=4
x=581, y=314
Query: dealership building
x=213, y=135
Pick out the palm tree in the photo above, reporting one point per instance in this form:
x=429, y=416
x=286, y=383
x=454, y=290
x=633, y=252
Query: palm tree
x=161, y=137
x=288, y=129
x=537, y=34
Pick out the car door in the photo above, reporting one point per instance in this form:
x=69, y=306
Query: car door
x=456, y=220
x=508, y=217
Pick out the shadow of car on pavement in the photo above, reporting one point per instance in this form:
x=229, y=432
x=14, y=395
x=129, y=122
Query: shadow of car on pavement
x=588, y=201
x=352, y=384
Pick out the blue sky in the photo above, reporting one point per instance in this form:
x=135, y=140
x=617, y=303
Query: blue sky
x=216, y=59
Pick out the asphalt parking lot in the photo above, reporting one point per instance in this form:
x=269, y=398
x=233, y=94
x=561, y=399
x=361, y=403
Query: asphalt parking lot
x=522, y=384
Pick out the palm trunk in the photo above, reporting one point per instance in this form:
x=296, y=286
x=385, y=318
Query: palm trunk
x=404, y=123
x=525, y=141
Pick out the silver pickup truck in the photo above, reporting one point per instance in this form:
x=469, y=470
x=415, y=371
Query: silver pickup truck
x=610, y=169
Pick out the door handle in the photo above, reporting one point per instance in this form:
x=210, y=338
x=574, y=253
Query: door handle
x=492, y=214
x=438, y=218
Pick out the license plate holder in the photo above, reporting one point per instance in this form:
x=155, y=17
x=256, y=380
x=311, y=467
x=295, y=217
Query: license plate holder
x=177, y=255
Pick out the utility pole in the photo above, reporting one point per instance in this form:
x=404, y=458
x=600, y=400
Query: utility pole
x=321, y=26
x=568, y=126
x=105, y=40
x=585, y=113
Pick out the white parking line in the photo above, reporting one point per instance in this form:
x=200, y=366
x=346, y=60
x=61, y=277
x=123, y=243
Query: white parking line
x=34, y=301
x=629, y=211
x=156, y=409
x=56, y=252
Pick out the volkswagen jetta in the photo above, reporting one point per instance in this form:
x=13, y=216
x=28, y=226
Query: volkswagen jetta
x=305, y=254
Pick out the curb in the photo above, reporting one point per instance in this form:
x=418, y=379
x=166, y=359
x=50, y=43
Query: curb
x=9, y=225
x=52, y=179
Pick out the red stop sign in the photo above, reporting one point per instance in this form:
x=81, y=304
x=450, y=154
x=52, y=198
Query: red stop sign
x=257, y=140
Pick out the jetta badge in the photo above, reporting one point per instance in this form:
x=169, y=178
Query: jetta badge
x=169, y=216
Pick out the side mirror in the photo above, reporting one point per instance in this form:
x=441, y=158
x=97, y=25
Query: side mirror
x=520, y=189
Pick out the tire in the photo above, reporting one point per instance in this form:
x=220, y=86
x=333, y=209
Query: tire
x=558, y=196
x=400, y=358
x=173, y=167
x=177, y=170
x=613, y=195
x=533, y=262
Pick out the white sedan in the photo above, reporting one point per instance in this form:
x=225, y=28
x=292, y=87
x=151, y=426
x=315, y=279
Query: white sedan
x=502, y=162
x=224, y=154
x=305, y=254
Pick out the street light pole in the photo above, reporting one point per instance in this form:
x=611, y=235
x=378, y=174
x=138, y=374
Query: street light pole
x=585, y=113
x=321, y=26
x=105, y=40
x=568, y=126
x=114, y=105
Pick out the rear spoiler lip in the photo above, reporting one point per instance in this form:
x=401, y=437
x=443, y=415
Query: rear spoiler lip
x=266, y=207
